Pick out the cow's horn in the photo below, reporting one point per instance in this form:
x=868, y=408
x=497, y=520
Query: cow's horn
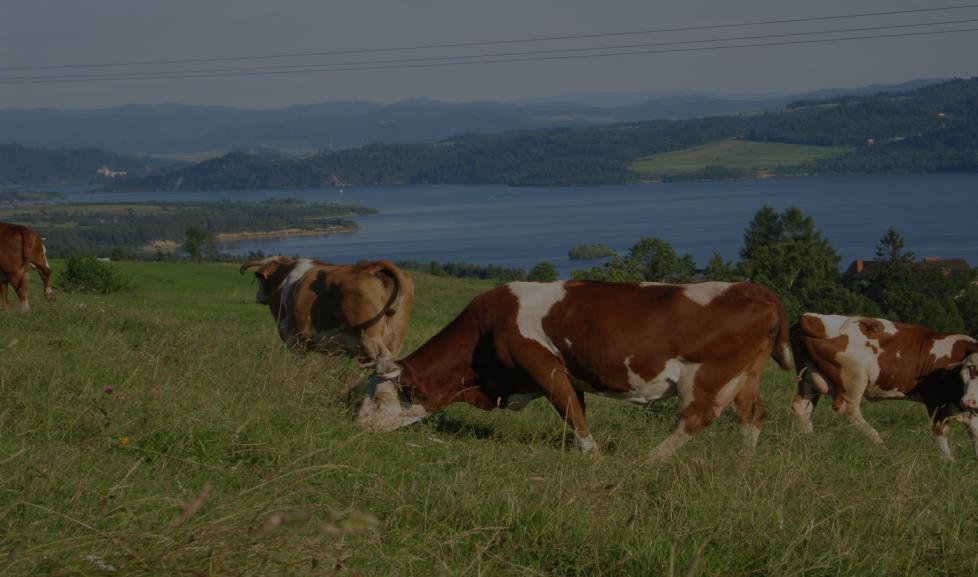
x=252, y=264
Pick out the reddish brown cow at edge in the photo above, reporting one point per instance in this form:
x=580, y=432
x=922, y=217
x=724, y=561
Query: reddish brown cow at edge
x=20, y=249
x=851, y=358
x=707, y=343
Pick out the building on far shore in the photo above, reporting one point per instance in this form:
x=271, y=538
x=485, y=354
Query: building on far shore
x=108, y=172
x=866, y=269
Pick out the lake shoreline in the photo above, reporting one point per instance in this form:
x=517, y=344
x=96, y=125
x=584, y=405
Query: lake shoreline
x=224, y=237
x=283, y=233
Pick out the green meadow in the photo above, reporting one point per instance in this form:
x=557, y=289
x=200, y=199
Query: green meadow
x=218, y=452
x=733, y=153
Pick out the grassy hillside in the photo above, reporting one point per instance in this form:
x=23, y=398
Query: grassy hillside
x=219, y=453
x=744, y=155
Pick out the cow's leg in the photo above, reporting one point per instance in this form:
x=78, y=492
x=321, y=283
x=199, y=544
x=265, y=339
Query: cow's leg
x=21, y=285
x=940, y=434
x=3, y=295
x=750, y=412
x=849, y=400
x=811, y=385
x=940, y=423
x=750, y=408
x=971, y=422
x=855, y=417
x=550, y=374
x=695, y=413
x=45, y=272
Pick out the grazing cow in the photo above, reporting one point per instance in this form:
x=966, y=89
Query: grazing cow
x=20, y=250
x=359, y=309
x=707, y=343
x=849, y=358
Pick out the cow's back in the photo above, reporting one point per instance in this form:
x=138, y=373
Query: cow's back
x=611, y=334
x=374, y=298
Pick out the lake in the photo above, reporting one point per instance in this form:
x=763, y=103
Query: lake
x=519, y=227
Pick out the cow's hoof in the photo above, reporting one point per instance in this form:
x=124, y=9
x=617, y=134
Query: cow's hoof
x=586, y=445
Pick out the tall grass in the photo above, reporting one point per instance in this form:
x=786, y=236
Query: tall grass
x=219, y=453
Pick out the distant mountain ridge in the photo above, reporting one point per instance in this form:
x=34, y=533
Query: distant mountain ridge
x=175, y=128
x=929, y=129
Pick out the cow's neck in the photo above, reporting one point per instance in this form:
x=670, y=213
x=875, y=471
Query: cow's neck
x=440, y=372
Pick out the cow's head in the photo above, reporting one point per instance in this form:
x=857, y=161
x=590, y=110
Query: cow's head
x=271, y=272
x=969, y=375
x=386, y=406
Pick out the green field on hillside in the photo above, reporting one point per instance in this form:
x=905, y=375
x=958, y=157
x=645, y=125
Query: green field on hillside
x=735, y=154
x=220, y=453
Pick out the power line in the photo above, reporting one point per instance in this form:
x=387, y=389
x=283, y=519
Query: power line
x=491, y=58
x=490, y=42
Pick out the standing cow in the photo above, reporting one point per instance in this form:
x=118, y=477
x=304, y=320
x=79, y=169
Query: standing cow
x=360, y=309
x=851, y=358
x=706, y=343
x=20, y=250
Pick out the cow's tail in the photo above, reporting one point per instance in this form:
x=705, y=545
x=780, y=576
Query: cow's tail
x=36, y=255
x=782, y=339
x=398, y=281
x=25, y=249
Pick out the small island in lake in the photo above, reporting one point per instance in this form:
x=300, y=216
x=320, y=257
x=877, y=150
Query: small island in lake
x=590, y=252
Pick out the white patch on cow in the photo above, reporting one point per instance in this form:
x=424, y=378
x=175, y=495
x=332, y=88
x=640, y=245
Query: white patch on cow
x=660, y=386
x=833, y=323
x=875, y=393
x=888, y=326
x=860, y=359
x=727, y=392
x=302, y=266
x=943, y=347
x=568, y=342
x=700, y=293
x=519, y=402
x=534, y=301
x=286, y=322
x=703, y=293
x=898, y=354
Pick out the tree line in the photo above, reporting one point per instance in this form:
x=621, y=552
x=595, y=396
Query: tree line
x=786, y=252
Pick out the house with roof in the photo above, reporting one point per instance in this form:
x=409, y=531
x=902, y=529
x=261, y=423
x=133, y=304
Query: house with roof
x=866, y=269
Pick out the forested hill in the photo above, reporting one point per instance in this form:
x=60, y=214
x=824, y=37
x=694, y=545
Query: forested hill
x=931, y=129
x=21, y=165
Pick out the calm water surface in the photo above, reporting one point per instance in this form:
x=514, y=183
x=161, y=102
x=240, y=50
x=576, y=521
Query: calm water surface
x=522, y=226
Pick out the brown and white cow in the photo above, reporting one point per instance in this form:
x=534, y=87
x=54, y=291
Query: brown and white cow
x=851, y=358
x=706, y=343
x=20, y=250
x=360, y=309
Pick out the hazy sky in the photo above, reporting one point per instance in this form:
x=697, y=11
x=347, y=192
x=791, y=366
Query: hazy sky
x=35, y=33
